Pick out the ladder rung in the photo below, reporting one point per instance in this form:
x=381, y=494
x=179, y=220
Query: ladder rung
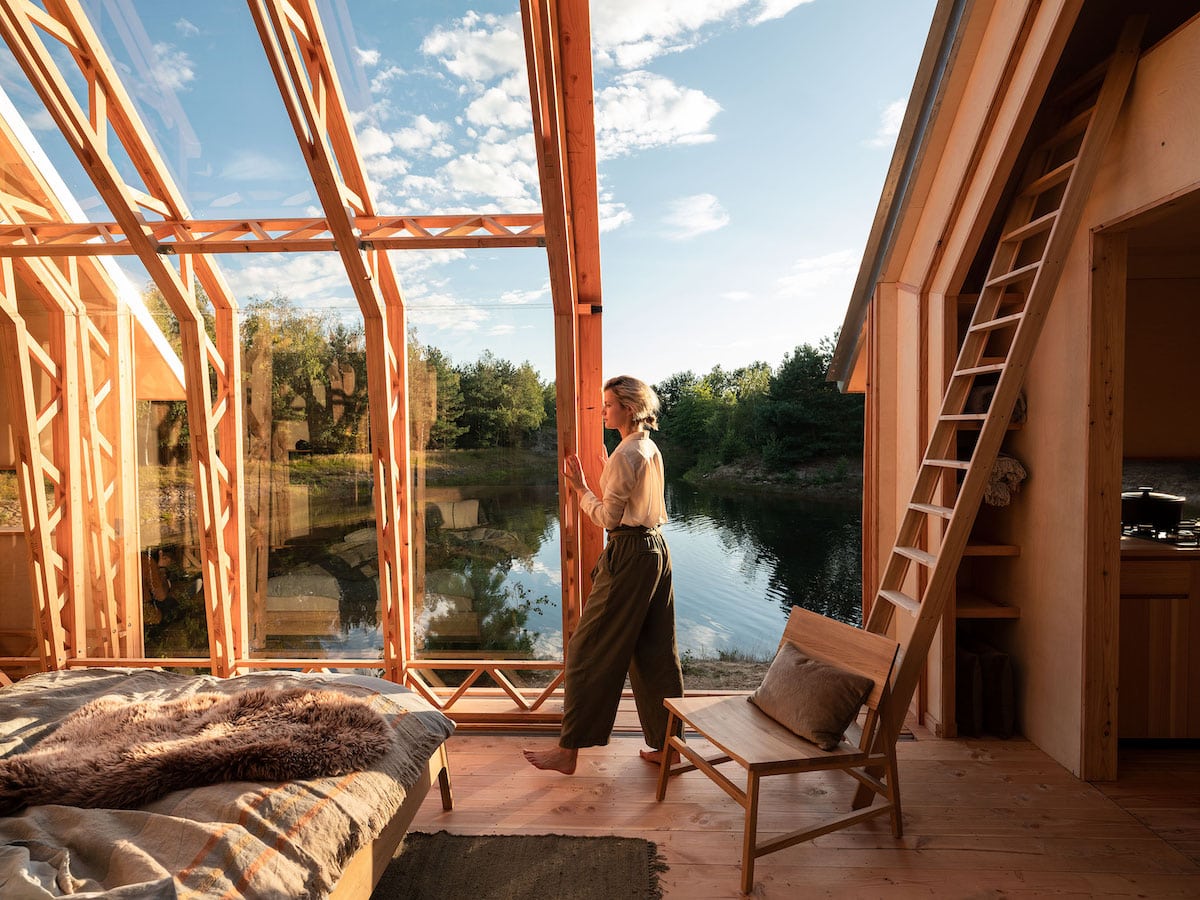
x=963, y=417
x=1053, y=178
x=1073, y=127
x=933, y=509
x=928, y=560
x=1028, y=230
x=1022, y=274
x=987, y=369
x=997, y=323
x=902, y=601
x=1082, y=85
x=948, y=463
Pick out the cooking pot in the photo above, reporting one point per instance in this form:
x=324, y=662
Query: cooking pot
x=1152, y=509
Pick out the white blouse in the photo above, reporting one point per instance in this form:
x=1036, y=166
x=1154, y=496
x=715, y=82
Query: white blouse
x=631, y=485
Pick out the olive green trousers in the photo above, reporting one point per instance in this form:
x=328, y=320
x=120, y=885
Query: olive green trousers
x=627, y=627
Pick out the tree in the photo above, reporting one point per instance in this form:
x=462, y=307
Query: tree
x=804, y=415
x=503, y=404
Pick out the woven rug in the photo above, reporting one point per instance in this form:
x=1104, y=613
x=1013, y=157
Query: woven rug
x=445, y=866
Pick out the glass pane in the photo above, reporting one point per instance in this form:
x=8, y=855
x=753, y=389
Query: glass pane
x=312, y=556
x=487, y=578
x=173, y=609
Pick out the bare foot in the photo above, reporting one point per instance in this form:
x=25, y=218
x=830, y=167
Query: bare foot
x=654, y=757
x=556, y=759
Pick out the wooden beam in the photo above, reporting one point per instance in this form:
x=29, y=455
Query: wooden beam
x=579, y=117
x=540, y=32
x=55, y=237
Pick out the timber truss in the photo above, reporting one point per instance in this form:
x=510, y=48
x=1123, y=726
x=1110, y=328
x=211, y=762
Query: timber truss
x=73, y=410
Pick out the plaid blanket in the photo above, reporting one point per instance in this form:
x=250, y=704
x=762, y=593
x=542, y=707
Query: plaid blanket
x=231, y=840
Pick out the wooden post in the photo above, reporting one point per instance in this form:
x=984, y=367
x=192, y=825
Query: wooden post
x=1102, y=509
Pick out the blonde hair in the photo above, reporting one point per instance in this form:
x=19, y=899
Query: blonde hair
x=637, y=397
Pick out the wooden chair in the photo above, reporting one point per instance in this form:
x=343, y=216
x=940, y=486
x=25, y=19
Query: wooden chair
x=745, y=735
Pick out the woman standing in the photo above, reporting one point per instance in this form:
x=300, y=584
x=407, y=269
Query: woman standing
x=628, y=622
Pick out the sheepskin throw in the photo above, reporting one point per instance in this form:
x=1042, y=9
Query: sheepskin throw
x=119, y=753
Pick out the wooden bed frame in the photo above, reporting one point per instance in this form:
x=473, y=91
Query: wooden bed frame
x=366, y=867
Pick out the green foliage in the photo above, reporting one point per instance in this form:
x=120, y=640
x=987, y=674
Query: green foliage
x=807, y=414
x=503, y=403
x=781, y=418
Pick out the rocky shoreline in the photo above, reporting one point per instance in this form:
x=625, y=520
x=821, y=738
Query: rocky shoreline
x=834, y=479
x=723, y=675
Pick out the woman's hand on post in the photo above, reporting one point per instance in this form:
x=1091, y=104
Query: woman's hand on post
x=573, y=472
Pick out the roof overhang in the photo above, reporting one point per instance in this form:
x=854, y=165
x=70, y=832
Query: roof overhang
x=982, y=76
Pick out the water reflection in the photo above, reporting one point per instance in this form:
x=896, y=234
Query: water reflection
x=490, y=575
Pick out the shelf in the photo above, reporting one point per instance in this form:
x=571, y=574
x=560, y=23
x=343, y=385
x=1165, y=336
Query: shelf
x=981, y=549
x=974, y=606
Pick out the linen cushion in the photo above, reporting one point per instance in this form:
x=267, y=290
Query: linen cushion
x=810, y=698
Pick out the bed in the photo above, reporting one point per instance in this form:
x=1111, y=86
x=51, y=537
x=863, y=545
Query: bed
x=317, y=837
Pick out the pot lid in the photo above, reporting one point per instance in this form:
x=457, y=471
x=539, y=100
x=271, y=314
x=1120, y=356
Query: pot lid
x=1149, y=493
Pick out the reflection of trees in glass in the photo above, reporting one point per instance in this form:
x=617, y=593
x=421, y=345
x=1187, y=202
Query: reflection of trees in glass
x=513, y=525
x=173, y=605
x=318, y=368
x=813, y=548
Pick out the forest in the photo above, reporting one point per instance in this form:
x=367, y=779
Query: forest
x=776, y=417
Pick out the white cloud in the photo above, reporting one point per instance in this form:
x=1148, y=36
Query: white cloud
x=372, y=141
x=640, y=110
x=628, y=33
x=186, y=28
x=494, y=107
x=170, y=69
x=250, y=165
x=501, y=330
x=40, y=120
x=311, y=279
x=367, y=57
x=478, y=47
x=889, y=124
x=381, y=80
x=423, y=136
x=490, y=172
x=232, y=199
x=524, y=297
x=442, y=311
x=775, y=9
x=737, y=296
x=613, y=214
x=824, y=280
x=699, y=214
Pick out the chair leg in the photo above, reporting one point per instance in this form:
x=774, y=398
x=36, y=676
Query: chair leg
x=893, y=783
x=664, y=767
x=750, y=835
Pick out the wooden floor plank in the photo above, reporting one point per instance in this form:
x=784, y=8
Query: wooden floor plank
x=981, y=818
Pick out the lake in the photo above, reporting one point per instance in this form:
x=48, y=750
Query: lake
x=741, y=561
x=489, y=571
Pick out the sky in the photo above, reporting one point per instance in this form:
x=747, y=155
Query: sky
x=742, y=146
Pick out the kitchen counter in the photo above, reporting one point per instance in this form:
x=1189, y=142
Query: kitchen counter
x=1140, y=548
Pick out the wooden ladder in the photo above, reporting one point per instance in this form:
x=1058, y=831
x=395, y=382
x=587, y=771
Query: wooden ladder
x=998, y=346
